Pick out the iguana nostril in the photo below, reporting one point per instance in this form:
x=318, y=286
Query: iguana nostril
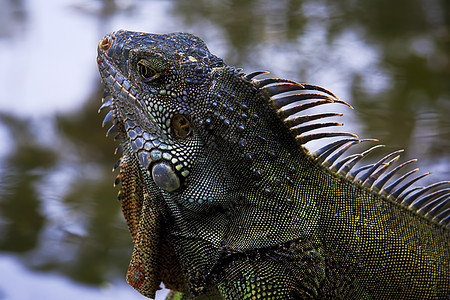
x=105, y=44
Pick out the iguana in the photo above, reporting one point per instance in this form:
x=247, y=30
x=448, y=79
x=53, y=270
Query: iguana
x=224, y=201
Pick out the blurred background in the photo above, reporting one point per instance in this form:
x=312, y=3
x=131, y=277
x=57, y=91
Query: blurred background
x=62, y=234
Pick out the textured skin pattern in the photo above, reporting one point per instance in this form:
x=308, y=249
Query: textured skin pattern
x=223, y=201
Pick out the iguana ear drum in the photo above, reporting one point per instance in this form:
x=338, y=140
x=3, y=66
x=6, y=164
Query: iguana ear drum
x=165, y=177
x=181, y=126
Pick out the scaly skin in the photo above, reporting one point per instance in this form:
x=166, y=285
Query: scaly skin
x=222, y=199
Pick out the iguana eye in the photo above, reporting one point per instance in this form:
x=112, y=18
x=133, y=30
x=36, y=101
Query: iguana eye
x=146, y=72
x=181, y=126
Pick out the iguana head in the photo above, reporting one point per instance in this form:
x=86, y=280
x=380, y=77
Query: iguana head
x=159, y=84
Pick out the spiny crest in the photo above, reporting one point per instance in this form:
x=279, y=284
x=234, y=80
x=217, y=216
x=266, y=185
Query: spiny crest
x=107, y=103
x=291, y=98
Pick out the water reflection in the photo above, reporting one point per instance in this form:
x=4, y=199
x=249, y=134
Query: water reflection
x=23, y=169
x=57, y=208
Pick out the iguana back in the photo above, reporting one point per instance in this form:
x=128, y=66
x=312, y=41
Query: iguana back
x=223, y=200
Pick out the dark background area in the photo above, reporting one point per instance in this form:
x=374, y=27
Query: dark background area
x=61, y=231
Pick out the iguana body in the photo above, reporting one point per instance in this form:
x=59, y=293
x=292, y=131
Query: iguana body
x=222, y=199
